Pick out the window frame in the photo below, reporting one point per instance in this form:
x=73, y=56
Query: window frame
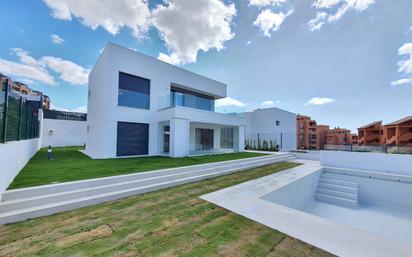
x=119, y=89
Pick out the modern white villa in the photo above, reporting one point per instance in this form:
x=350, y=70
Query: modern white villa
x=138, y=106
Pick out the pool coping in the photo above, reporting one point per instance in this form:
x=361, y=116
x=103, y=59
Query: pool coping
x=342, y=240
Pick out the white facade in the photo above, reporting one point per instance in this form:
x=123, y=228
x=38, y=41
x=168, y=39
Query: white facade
x=104, y=111
x=272, y=124
x=59, y=133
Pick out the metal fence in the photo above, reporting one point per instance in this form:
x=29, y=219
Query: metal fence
x=270, y=141
x=371, y=148
x=19, y=115
x=61, y=115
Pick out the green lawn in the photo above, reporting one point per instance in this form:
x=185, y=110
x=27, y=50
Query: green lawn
x=170, y=222
x=69, y=164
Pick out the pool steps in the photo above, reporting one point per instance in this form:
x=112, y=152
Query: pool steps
x=22, y=204
x=335, y=190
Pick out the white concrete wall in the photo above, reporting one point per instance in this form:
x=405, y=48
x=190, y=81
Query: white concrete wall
x=104, y=112
x=299, y=194
x=58, y=133
x=391, y=163
x=309, y=155
x=15, y=156
x=263, y=121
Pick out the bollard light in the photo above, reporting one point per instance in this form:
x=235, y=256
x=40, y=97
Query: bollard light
x=49, y=153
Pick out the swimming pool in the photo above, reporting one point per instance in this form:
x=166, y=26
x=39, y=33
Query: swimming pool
x=380, y=204
x=346, y=211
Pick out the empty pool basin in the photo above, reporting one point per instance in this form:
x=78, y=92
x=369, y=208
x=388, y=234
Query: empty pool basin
x=344, y=211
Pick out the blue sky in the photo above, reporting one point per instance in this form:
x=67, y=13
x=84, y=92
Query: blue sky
x=343, y=62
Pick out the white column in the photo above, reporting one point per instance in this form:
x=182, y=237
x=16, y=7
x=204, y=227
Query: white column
x=239, y=136
x=179, y=137
x=216, y=138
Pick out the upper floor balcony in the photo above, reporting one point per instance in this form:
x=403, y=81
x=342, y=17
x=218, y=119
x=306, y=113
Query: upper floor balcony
x=187, y=99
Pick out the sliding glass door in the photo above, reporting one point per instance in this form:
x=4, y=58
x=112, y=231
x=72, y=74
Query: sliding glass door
x=204, y=139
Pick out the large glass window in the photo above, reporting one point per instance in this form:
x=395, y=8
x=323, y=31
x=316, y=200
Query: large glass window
x=204, y=139
x=226, y=137
x=134, y=91
x=192, y=100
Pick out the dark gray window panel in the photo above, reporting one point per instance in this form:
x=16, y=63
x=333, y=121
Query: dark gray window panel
x=134, y=83
x=134, y=91
x=132, y=139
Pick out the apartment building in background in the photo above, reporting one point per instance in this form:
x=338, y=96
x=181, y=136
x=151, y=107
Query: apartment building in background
x=355, y=139
x=339, y=136
x=306, y=132
x=371, y=134
x=139, y=105
x=399, y=132
x=322, y=133
x=310, y=135
x=25, y=90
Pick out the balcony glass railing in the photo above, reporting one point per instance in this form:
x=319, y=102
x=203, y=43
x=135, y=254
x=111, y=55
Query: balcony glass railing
x=186, y=100
x=178, y=99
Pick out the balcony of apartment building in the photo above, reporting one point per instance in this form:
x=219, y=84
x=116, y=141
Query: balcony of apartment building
x=373, y=138
x=399, y=132
x=391, y=138
x=313, y=141
x=402, y=138
x=312, y=125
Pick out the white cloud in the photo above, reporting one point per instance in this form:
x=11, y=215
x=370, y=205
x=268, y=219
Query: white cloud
x=248, y=42
x=325, y=3
x=269, y=21
x=188, y=26
x=172, y=59
x=405, y=49
x=25, y=57
x=108, y=14
x=261, y=3
x=67, y=70
x=405, y=65
x=82, y=109
x=269, y=103
x=319, y=101
x=401, y=82
x=228, y=101
x=28, y=68
x=31, y=69
x=332, y=10
x=56, y=39
x=317, y=22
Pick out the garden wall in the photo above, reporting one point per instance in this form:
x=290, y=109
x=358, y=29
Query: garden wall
x=59, y=133
x=14, y=156
x=390, y=163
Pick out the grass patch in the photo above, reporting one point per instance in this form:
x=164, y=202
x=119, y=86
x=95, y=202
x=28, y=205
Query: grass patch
x=169, y=222
x=69, y=164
